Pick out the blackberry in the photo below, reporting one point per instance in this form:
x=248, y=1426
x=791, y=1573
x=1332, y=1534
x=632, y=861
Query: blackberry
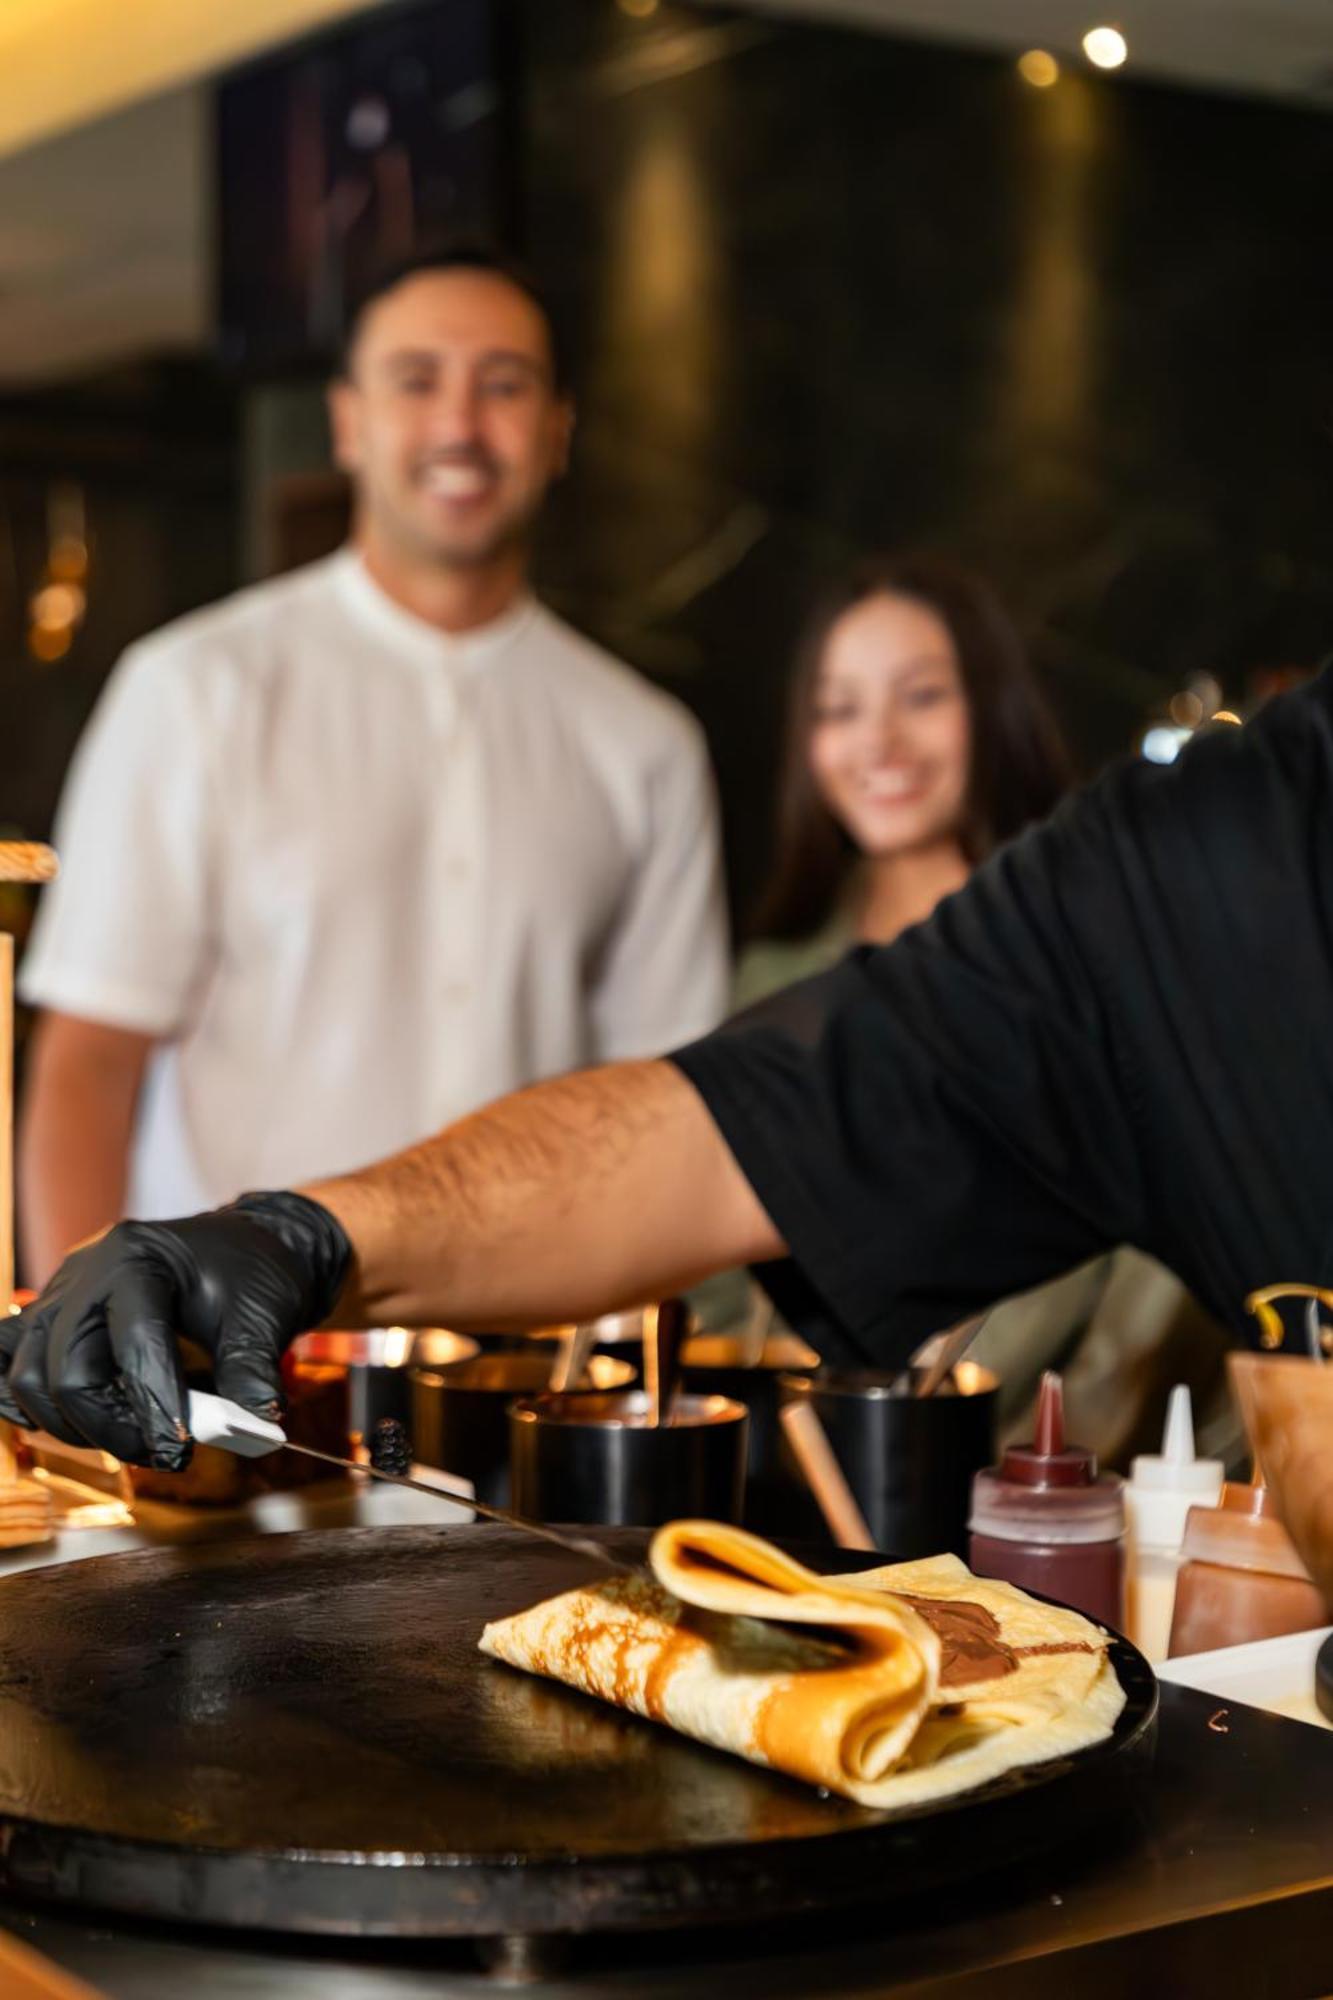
x=389, y=1448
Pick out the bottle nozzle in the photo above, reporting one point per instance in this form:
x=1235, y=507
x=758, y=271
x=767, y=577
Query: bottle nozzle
x=1048, y=1460
x=1173, y=1478
x=1049, y=1438
x=1178, y=1435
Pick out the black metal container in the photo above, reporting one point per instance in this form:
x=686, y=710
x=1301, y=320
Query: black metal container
x=458, y=1410
x=619, y=1334
x=777, y=1500
x=378, y=1360
x=908, y=1459
x=596, y=1458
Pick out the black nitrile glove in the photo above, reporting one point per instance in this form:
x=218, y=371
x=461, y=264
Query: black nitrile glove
x=95, y=1360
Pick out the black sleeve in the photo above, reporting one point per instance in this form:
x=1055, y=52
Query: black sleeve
x=933, y=1125
x=1118, y=1031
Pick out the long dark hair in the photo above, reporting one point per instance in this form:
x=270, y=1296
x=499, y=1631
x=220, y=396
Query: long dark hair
x=1019, y=764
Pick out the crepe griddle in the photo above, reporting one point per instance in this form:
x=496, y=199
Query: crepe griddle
x=298, y=1733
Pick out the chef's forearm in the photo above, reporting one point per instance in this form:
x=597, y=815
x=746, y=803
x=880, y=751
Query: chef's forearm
x=593, y=1191
x=83, y=1087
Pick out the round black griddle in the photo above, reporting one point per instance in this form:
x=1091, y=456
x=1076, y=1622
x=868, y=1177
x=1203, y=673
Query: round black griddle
x=298, y=1733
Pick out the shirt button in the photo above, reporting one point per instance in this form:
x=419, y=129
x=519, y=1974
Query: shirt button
x=455, y=992
x=455, y=867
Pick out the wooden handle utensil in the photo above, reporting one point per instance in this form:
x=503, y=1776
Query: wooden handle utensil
x=824, y=1476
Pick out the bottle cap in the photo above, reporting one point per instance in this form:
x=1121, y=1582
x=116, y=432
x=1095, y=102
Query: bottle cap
x=1048, y=1460
x=1163, y=1486
x=1049, y=1490
x=1243, y=1531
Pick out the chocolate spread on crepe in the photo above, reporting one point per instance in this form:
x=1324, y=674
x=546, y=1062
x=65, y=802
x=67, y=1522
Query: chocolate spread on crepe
x=971, y=1648
x=892, y=1686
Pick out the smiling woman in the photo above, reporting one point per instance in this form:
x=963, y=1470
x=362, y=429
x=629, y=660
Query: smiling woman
x=917, y=741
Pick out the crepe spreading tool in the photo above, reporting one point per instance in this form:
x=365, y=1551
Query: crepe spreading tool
x=571, y=1360
x=934, y=1361
x=663, y=1340
x=824, y=1476
x=952, y=1347
x=216, y=1421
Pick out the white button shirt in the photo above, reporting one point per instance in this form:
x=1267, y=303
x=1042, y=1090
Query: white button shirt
x=360, y=877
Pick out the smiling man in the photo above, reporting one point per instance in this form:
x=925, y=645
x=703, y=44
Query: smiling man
x=368, y=845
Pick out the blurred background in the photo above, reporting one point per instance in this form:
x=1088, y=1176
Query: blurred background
x=837, y=275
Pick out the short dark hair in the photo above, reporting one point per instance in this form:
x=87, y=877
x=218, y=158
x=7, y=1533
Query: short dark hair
x=456, y=256
x=1019, y=764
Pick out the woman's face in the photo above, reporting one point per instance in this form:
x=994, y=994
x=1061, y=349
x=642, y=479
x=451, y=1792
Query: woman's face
x=890, y=744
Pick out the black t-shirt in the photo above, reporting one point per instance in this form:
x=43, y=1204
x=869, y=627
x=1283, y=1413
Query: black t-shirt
x=1120, y=1031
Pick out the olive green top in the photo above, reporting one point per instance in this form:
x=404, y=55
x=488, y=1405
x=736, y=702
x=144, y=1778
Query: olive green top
x=769, y=964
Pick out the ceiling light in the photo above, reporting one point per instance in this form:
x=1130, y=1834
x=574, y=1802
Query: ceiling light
x=1038, y=68
x=1106, y=47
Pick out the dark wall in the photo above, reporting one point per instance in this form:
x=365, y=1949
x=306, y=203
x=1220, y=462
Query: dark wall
x=150, y=454
x=835, y=291
x=831, y=292
x=151, y=451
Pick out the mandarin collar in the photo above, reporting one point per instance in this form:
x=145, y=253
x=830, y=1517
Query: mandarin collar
x=473, y=649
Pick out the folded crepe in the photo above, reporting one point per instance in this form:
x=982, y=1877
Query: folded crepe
x=894, y=1686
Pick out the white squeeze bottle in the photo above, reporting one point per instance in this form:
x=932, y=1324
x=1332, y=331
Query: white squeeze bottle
x=1160, y=1490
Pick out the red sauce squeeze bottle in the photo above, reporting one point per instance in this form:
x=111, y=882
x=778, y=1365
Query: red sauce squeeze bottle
x=1044, y=1520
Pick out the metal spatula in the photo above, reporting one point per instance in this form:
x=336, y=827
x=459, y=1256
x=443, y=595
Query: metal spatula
x=216, y=1421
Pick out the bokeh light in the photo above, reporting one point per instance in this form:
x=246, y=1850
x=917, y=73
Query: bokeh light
x=1106, y=48
x=1039, y=68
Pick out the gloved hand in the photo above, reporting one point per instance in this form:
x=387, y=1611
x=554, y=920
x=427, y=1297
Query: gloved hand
x=94, y=1360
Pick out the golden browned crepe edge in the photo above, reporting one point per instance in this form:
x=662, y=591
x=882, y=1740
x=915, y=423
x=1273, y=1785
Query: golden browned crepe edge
x=724, y=1646
x=1052, y=1703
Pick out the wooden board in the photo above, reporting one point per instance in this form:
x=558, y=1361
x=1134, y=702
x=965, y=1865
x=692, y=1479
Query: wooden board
x=26, y=1975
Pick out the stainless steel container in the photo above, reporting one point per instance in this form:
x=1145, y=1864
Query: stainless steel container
x=597, y=1458
x=908, y=1459
x=459, y=1410
x=619, y=1334
x=377, y=1360
x=777, y=1500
